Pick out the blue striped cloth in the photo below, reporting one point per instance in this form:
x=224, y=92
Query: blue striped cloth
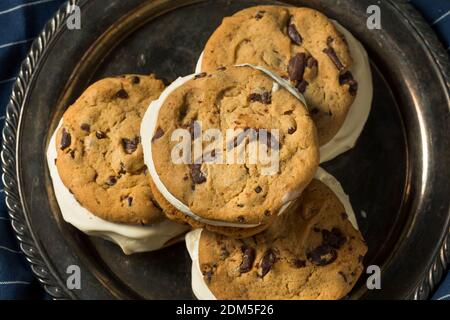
x=20, y=22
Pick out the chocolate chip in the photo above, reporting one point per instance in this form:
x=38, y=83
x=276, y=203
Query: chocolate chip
x=294, y=34
x=330, y=40
x=122, y=94
x=347, y=78
x=130, y=201
x=224, y=252
x=248, y=258
x=193, y=125
x=183, y=112
x=334, y=58
x=135, y=80
x=353, y=88
x=267, y=262
x=158, y=134
x=301, y=87
x=66, y=139
x=334, y=238
x=241, y=219
x=207, y=272
x=296, y=67
x=260, y=14
x=344, y=216
x=196, y=174
x=72, y=154
x=299, y=263
x=322, y=255
x=111, y=181
x=200, y=75
x=221, y=69
x=85, y=127
x=258, y=189
x=254, y=97
x=130, y=145
x=240, y=138
x=100, y=135
x=122, y=169
x=311, y=62
x=265, y=97
x=276, y=145
x=291, y=130
x=314, y=111
x=267, y=213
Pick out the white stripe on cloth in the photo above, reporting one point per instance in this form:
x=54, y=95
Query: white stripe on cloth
x=10, y=250
x=15, y=43
x=441, y=18
x=444, y=297
x=24, y=5
x=5, y=81
x=2, y=283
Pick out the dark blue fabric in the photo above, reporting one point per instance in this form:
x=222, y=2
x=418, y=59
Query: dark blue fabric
x=20, y=22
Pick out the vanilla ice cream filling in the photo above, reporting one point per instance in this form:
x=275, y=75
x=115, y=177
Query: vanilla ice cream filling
x=148, y=128
x=199, y=286
x=131, y=238
x=345, y=139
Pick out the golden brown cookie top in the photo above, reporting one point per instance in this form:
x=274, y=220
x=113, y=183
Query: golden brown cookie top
x=310, y=252
x=175, y=215
x=299, y=43
x=99, y=150
x=273, y=123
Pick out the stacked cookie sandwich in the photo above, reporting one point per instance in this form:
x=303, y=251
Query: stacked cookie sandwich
x=214, y=189
x=97, y=168
x=321, y=59
x=314, y=251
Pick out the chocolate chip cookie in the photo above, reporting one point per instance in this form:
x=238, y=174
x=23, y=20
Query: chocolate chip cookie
x=310, y=252
x=209, y=189
x=298, y=43
x=99, y=150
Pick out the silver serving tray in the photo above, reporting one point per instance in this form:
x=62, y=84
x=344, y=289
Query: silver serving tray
x=398, y=174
